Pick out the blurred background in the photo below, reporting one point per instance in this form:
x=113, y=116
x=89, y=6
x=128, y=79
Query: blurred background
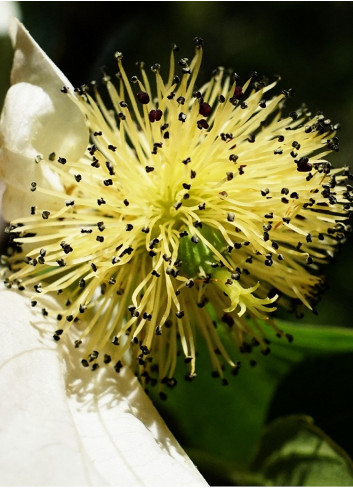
x=310, y=44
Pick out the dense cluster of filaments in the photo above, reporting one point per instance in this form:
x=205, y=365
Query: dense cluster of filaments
x=192, y=213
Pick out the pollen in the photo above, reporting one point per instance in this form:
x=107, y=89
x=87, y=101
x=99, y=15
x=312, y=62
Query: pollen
x=195, y=212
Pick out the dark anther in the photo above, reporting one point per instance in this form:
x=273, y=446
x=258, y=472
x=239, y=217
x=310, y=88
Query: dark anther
x=143, y=97
x=182, y=117
x=202, y=124
x=155, y=115
x=233, y=158
x=227, y=318
x=205, y=109
x=183, y=62
x=198, y=41
x=303, y=164
x=118, y=366
x=238, y=93
x=289, y=337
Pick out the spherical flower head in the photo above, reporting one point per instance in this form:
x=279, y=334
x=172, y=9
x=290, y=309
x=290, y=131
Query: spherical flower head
x=194, y=212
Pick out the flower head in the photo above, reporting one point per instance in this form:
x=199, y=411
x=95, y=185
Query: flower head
x=192, y=210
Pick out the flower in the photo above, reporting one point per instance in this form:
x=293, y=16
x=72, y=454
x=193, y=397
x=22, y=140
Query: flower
x=61, y=424
x=188, y=208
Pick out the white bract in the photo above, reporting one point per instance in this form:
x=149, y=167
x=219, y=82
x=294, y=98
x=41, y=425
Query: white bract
x=7, y=11
x=35, y=121
x=62, y=425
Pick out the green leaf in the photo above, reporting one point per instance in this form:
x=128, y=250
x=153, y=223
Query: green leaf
x=227, y=420
x=295, y=452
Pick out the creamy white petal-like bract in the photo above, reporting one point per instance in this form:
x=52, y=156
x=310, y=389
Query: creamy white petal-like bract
x=36, y=120
x=8, y=9
x=60, y=428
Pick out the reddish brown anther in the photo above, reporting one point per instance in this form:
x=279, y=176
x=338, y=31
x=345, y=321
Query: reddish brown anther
x=143, y=97
x=238, y=92
x=202, y=124
x=155, y=115
x=205, y=109
x=303, y=165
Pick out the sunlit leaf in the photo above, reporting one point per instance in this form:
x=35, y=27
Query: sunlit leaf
x=294, y=452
